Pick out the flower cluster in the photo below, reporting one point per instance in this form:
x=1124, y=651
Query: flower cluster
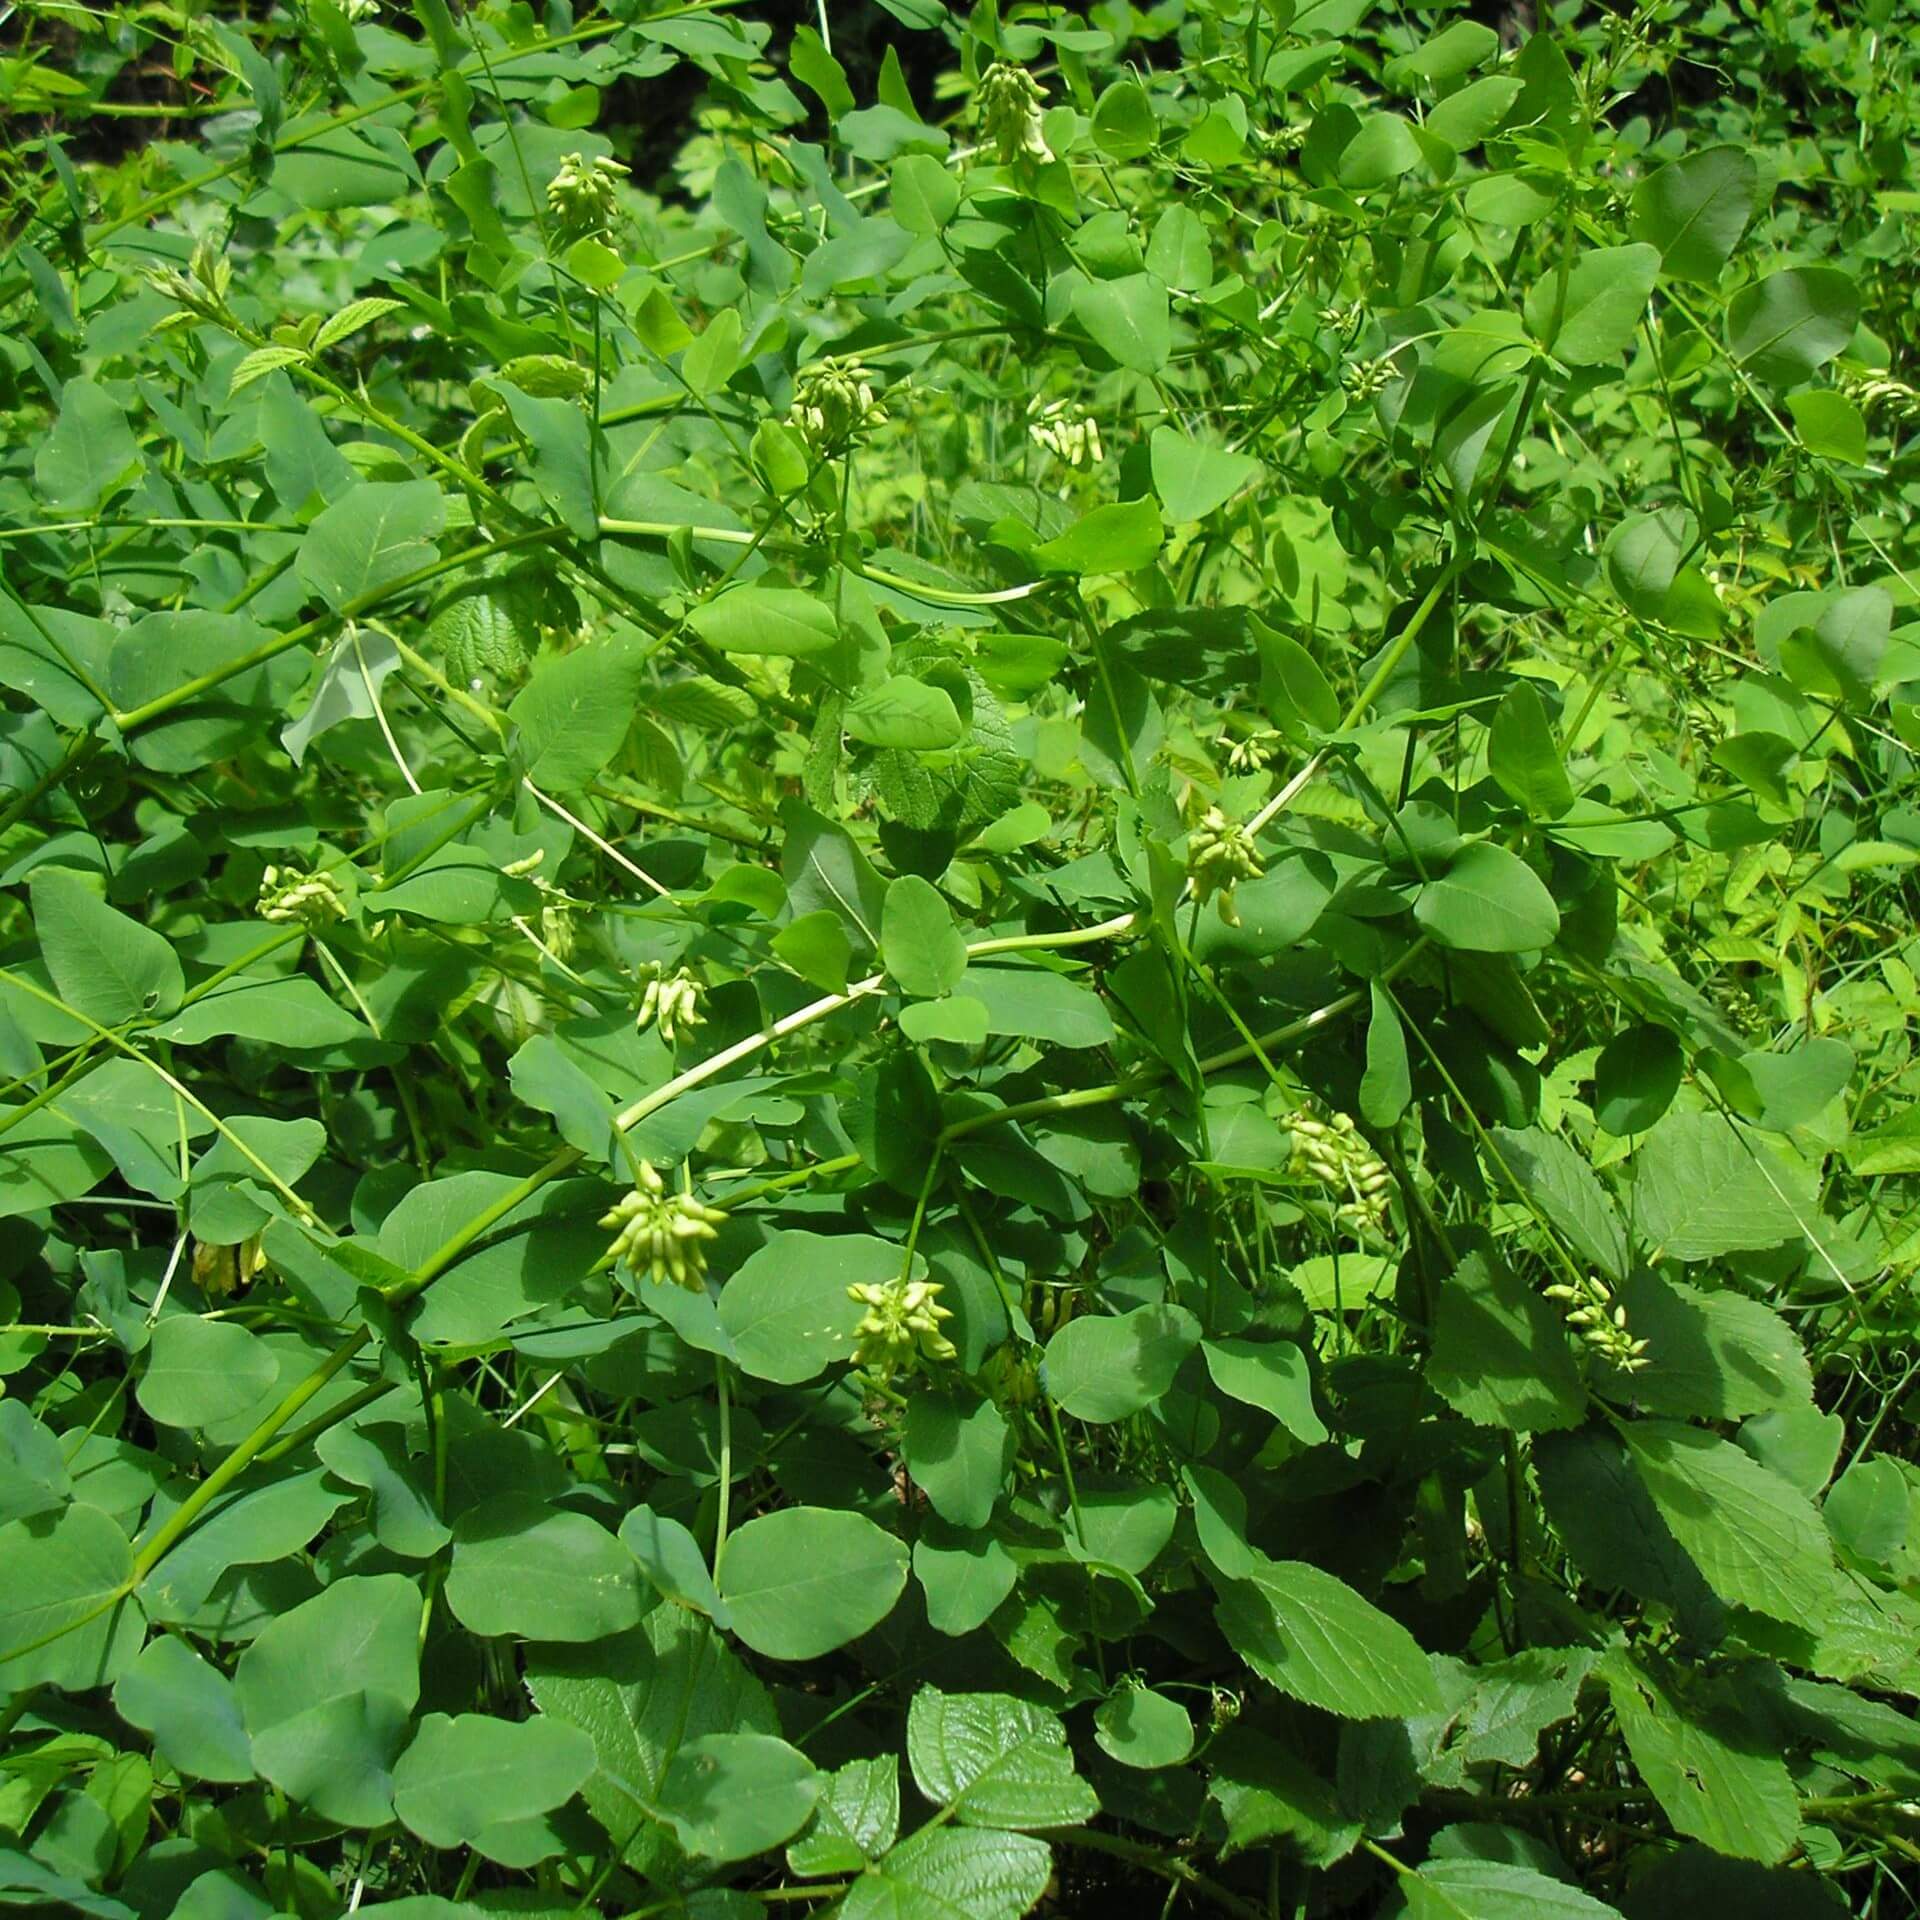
x=558, y=927
x=662, y=1234
x=1009, y=100
x=1870, y=390
x=1601, y=1322
x=1334, y=1153
x=289, y=894
x=1220, y=854
x=832, y=401
x=1248, y=752
x=584, y=196
x=901, y=1325
x=671, y=1003
x=1066, y=431
x=1363, y=379
x=219, y=1271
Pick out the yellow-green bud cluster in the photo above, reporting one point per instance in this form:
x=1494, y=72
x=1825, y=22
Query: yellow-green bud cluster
x=584, y=196
x=557, y=926
x=1870, y=390
x=1246, y=753
x=1220, y=854
x=901, y=1325
x=1365, y=378
x=287, y=895
x=832, y=401
x=1334, y=1153
x=1068, y=432
x=662, y=1234
x=671, y=1003
x=1010, y=101
x=1601, y=1322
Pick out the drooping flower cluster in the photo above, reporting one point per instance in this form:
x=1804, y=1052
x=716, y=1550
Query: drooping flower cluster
x=671, y=1003
x=833, y=400
x=584, y=196
x=1334, y=1153
x=558, y=926
x=290, y=894
x=1892, y=397
x=1220, y=854
x=900, y=1327
x=1248, y=752
x=1068, y=432
x=1010, y=104
x=219, y=1271
x=662, y=1234
x=1601, y=1322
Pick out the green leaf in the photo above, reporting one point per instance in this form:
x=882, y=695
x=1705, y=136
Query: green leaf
x=919, y=942
x=1124, y=126
x=1387, y=1085
x=1756, y=1540
x=1635, y=1078
x=925, y=194
x=1714, y=1356
x=1695, y=209
x=958, y=1455
x=1524, y=757
x=1143, y=1729
x=903, y=712
x=1106, y=1367
x=856, y=1819
x=1717, y=1777
x=462, y=1774
x=561, y=442
x=947, y=1873
x=729, y=1796
x=362, y=1633
x=1500, y=1356
x=1313, y=1637
x=201, y=1372
x=90, y=452
x=1468, y=1889
x=1120, y=538
x=1488, y=902
x=804, y=1580
x=190, y=1710
x=1127, y=319
x=1701, y=1188
x=575, y=711
x=1829, y=424
x=378, y=533
x=1266, y=1792
x=1034, y=1003
x=63, y=1576
x=105, y=965
x=1786, y=326
x=994, y=1761
x=523, y=1567
x=640, y=1697
x=816, y=947
x=336, y=1759
x=1271, y=1375
x=786, y=1309
x=1560, y=1183
x=1594, y=319
x=1193, y=478
x=778, y=621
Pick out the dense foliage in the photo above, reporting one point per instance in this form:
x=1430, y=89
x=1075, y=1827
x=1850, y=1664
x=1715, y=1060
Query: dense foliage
x=977, y=987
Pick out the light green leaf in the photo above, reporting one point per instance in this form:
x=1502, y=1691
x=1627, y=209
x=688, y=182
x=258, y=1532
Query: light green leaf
x=802, y=1581
x=200, y=1372
x=779, y=621
x=1756, y=1540
x=995, y=1761
x=1695, y=209
x=1313, y=1637
x=903, y=712
x=461, y=1775
x=1120, y=538
x=1144, y=1729
x=1488, y=902
x=1524, y=757
x=1127, y=319
x=523, y=1567
x=1105, y=1367
x=729, y=1796
x=1193, y=478
x=376, y=534
x=786, y=1309
x=104, y=964
x=919, y=942
x=1786, y=326
x=575, y=711
x=958, y=1455
x=1702, y=1188
x=948, y=1873
x=90, y=452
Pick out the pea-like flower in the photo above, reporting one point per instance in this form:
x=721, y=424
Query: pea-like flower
x=1068, y=432
x=901, y=1325
x=1334, y=1153
x=1599, y=1320
x=671, y=1003
x=662, y=1234
x=1009, y=99
x=1220, y=854
x=834, y=400
x=290, y=894
x=584, y=196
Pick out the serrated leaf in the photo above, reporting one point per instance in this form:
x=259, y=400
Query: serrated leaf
x=995, y=1761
